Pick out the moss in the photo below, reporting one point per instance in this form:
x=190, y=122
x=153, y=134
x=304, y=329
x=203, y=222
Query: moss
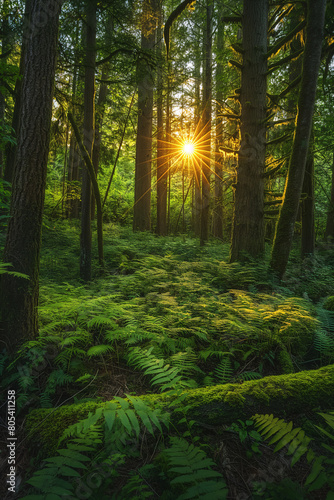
x=283, y=395
x=46, y=426
x=285, y=361
x=329, y=303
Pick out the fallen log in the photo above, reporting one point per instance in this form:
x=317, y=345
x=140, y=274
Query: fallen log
x=282, y=395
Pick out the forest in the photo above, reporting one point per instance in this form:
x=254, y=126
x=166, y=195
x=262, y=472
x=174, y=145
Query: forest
x=167, y=249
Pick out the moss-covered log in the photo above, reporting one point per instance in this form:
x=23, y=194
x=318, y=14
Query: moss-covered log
x=283, y=395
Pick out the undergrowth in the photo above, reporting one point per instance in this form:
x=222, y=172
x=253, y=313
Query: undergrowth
x=167, y=315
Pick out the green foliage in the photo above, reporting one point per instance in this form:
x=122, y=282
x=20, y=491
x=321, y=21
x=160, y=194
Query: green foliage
x=162, y=374
x=190, y=470
x=297, y=442
x=247, y=436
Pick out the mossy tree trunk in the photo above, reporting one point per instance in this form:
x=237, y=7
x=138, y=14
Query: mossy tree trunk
x=248, y=217
x=19, y=298
x=282, y=395
x=294, y=182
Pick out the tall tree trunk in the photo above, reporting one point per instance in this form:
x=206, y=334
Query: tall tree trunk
x=206, y=128
x=307, y=204
x=88, y=140
x=196, y=205
x=142, y=206
x=100, y=107
x=19, y=297
x=293, y=186
x=329, y=232
x=162, y=163
x=218, y=199
x=4, y=27
x=248, y=217
x=11, y=148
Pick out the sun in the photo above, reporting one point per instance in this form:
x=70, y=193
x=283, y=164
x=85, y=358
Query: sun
x=188, y=148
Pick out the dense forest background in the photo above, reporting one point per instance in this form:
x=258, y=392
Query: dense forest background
x=167, y=227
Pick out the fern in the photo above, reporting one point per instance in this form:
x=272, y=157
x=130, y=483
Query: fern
x=162, y=374
x=224, y=372
x=99, y=350
x=120, y=415
x=249, y=375
x=283, y=434
x=190, y=469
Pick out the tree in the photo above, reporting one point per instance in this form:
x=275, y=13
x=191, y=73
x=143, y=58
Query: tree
x=19, y=298
x=88, y=140
x=206, y=123
x=142, y=206
x=248, y=217
x=294, y=182
x=162, y=163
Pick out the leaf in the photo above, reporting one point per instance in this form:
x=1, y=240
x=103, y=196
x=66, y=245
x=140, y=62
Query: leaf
x=146, y=421
x=110, y=416
x=125, y=420
x=74, y=454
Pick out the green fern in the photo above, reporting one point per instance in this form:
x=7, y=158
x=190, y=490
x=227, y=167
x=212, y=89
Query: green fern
x=224, y=371
x=283, y=434
x=120, y=415
x=161, y=374
x=191, y=474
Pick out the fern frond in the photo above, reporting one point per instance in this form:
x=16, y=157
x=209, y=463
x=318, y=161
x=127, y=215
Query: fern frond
x=99, y=350
x=189, y=465
x=224, y=372
x=284, y=434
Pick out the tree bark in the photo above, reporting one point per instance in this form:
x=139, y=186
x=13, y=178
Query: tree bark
x=142, y=206
x=88, y=140
x=294, y=182
x=162, y=162
x=19, y=298
x=329, y=232
x=248, y=217
x=307, y=204
x=218, y=199
x=206, y=125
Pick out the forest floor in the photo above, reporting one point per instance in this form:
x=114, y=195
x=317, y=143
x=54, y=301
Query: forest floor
x=168, y=315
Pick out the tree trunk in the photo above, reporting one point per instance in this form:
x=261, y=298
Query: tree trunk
x=196, y=205
x=248, y=217
x=218, y=199
x=162, y=162
x=11, y=148
x=329, y=232
x=88, y=140
x=282, y=395
x=142, y=206
x=19, y=298
x=206, y=124
x=100, y=107
x=307, y=205
x=293, y=185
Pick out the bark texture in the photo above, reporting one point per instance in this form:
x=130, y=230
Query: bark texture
x=19, y=298
x=142, y=207
x=293, y=186
x=248, y=217
x=162, y=162
x=88, y=140
x=329, y=233
x=206, y=124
